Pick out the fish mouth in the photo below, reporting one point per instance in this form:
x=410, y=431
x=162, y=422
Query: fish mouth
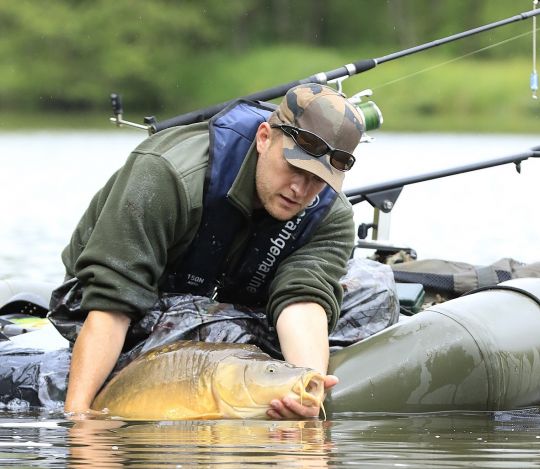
x=309, y=389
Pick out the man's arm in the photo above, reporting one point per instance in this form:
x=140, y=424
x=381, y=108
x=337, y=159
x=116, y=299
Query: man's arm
x=303, y=336
x=312, y=273
x=95, y=353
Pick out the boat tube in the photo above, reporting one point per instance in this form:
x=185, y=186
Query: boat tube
x=19, y=294
x=480, y=351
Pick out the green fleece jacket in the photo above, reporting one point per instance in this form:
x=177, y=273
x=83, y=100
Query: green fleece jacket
x=139, y=225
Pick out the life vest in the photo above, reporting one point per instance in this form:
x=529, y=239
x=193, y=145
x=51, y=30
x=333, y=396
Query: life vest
x=203, y=270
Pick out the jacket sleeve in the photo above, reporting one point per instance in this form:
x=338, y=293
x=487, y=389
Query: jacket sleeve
x=126, y=245
x=312, y=273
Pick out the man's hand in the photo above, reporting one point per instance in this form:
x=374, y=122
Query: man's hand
x=289, y=409
x=303, y=336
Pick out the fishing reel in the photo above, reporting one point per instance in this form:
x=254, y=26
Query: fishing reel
x=371, y=113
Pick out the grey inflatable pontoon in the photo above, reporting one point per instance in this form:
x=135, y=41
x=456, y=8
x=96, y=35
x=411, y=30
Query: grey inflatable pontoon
x=477, y=352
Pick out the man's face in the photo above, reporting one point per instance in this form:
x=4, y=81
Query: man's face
x=283, y=190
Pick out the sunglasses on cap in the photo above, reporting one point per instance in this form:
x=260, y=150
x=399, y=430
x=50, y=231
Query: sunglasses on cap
x=317, y=147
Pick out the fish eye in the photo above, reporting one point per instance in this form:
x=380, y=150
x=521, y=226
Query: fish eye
x=271, y=368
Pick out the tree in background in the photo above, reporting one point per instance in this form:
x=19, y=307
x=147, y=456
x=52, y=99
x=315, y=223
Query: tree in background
x=179, y=54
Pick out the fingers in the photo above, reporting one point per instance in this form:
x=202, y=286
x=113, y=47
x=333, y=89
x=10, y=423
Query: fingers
x=289, y=409
x=330, y=381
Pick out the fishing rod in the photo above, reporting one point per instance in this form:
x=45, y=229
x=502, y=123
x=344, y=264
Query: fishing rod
x=153, y=126
x=384, y=195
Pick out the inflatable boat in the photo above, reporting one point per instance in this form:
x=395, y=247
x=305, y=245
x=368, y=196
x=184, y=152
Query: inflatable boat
x=480, y=351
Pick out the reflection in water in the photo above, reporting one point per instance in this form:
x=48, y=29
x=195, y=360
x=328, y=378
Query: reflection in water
x=90, y=444
x=109, y=443
x=451, y=439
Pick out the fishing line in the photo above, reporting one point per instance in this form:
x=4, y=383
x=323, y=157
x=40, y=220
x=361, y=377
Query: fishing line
x=534, y=75
x=455, y=59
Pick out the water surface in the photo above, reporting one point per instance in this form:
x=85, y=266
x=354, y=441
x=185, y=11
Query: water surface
x=48, y=179
x=473, y=439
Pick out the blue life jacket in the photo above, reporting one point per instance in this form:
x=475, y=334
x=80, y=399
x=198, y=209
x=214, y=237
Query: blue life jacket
x=206, y=267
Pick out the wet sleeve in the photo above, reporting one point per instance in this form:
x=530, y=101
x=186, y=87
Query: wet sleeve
x=126, y=251
x=312, y=273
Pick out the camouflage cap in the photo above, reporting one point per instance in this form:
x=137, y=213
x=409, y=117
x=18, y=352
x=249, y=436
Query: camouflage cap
x=327, y=113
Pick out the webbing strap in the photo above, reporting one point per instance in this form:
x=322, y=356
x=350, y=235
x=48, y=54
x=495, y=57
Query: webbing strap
x=486, y=276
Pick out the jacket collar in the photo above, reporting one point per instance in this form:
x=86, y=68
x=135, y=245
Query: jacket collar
x=243, y=190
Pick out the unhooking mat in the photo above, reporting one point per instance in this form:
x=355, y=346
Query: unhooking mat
x=33, y=377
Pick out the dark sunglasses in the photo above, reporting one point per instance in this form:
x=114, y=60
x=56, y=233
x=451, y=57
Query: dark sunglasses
x=317, y=147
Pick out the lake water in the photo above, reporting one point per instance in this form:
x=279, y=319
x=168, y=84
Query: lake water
x=47, y=180
x=439, y=440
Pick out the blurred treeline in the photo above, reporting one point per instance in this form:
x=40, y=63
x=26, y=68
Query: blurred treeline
x=171, y=56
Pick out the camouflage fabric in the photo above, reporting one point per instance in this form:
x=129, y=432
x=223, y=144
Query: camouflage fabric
x=327, y=113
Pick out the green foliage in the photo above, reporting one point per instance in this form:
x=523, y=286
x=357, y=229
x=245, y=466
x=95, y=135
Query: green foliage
x=464, y=95
x=172, y=56
x=71, y=54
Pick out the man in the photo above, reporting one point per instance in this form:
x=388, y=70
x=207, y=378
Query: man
x=245, y=208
